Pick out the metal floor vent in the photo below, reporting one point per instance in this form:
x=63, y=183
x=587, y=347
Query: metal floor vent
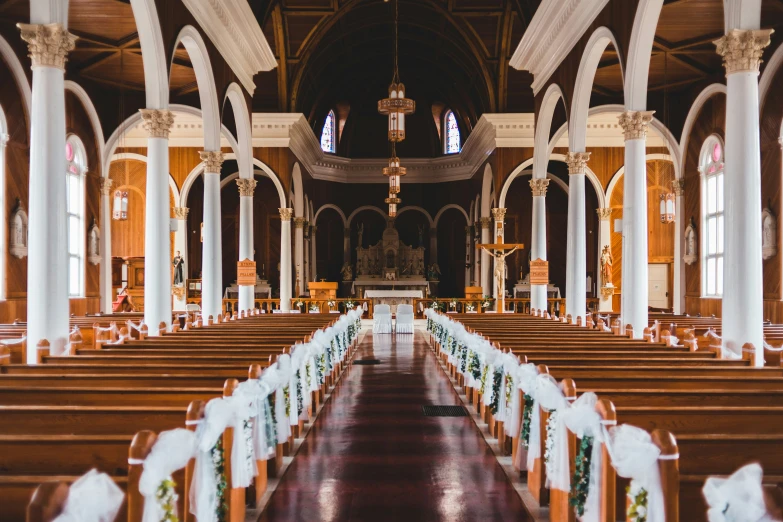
x=367, y=361
x=435, y=410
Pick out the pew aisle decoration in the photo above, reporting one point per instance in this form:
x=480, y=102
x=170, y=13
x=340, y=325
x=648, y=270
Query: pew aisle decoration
x=631, y=450
x=739, y=497
x=172, y=451
x=93, y=497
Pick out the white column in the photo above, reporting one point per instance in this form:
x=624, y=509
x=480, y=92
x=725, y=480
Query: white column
x=107, y=295
x=576, y=246
x=211, y=257
x=181, y=246
x=299, y=223
x=47, y=261
x=678, y=299
x=313, y=259
x=538, y=293
x=606, y=288
x=157, y=262
x=247, y=187
x=468, y=249
x=499, y=214
x=635, y=269
x=486, y=281
x=743, y=284
x=285, y=258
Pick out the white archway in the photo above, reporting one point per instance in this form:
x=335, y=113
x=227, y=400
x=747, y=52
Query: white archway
x=329, y=206
x=617, y=176
x=693, y=113
x=432, y=222
x=134, y=119
x=486, y=191
x=362, y=208
x=95, y=121
x=450, y=206
x=153, y=54
x=580, y=105
x=194, y=44
x=3, y=234
x=765, y=82
x=523, y=169
x=298, y=190
x=244, y=132
x=9, y=57
x=542, y=145
x=138, y=157
x=639, y=53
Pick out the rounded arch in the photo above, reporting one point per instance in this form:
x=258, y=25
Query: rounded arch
x=541, y=141
x=693, y=113
x=156, y=79
x=330, y=206
x=134, y=119
x=472, y=212
x=617, y=176
x=244, y=132
x=522, y=170
x=432, y=222
x=298, y=190
x=637, y=66
x=588, y=66
x=362, y=208
x=9, y=57
x=306, y=207
x=95, y=121
x=765, y=82
x=705, y=151
x=194, y=44
x=138, y=157
x=264, y=170
x=486, y=191
x=448, y=207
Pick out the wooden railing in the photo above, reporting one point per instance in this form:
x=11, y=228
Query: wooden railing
x=269, y=305
x=462, y=305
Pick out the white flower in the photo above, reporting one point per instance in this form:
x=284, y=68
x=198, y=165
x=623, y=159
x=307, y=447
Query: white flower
x=641, y=511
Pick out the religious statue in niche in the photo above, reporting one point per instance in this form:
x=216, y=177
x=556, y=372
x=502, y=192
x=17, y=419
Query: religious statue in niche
x=606, y=266
x=360, y=230
x=769, y=234
x=93, y=244
x=179, y=269
x=433, y=272
x=691, y=254
x=347, y=272
x=18, y=237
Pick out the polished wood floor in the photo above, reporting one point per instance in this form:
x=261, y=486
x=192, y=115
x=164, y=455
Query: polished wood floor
x=373, y=456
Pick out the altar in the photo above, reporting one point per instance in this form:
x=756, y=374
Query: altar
x=262, y=290
x=393, y=297
x=522, y=289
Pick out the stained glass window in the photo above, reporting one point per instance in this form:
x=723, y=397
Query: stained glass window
x=712, y=220
x=452, y=141
x=75, y=229
x=328, y=134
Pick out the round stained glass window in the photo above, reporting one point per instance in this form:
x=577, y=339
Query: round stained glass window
x=717, y=152
x=69, y=152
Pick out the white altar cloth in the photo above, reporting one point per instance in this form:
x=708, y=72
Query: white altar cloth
x=393, y=297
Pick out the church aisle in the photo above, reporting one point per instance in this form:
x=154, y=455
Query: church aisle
x=373, y=455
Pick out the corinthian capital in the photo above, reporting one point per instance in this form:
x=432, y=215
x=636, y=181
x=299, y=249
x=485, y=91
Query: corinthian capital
x=157, y=122
x=634, y=124
x=181, y=212
x=485, y=222
x=286, y=213
x=678, y=186
x=577, y=162
x=742, y=49
x=499, y=214
x=604, y=214
x=49, y=44
x=538, y=186
x=213, y=159
x=299, y=222
x=246, y=186
x=106, y=184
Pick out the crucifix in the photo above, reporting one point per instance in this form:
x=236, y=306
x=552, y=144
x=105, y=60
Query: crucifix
x=500, y=251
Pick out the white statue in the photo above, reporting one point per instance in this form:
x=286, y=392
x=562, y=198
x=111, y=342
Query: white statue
x=769, y=234
x=691, y=253
x=17, y=244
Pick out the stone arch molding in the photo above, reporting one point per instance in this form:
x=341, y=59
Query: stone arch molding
x=329, y=206
x=449, y=207
x=542, y=145
x=615, y=180
x=523, y=170
x=486, y=191
x=244, y=132
x=365, y=207
x=433, y=223
x=8, y=55
x=298, y=190
x=153, y=54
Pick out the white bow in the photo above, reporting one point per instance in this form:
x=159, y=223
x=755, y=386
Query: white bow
x=172, y=451
x=739, y=498
x=94, y=497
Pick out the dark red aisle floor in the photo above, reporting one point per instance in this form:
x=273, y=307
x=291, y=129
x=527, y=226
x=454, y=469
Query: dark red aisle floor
x=373, y=456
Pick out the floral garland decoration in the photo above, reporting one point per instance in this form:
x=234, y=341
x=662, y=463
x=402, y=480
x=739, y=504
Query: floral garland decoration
x=348, y=305
x=497, y=378
x=167, y=497
x=527, y=413
x=580, y=482
x=435, y=305
x=509, y=390
x=247, y=431
x=287, y=396
x=637, y=511
x=314, y=307
x=476, y=365
x=483, y=385
x=453, y=304
x=299, y=303
x=271, y=421
x=308, y=379
x=321, y=367
x=551, y=426
x=330, y=303
x=463, y=360
x=218, y=459
x=299, y=398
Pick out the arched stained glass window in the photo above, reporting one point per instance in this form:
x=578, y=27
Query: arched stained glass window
x=74, y=190
x=451, y=136
x=712, y=217
x=329, y=134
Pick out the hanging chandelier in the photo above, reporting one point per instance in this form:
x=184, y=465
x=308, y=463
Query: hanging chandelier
x=396, y=106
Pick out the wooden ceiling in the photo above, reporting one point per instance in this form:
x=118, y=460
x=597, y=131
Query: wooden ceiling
x=683, y=52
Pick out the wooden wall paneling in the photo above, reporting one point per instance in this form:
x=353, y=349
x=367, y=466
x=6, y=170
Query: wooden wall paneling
x=127, y=236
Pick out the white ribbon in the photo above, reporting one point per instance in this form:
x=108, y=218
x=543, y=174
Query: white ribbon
x=172, y=451
x=94, y=497
x=584, y=421
x=739, y=498
x=550, y=397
